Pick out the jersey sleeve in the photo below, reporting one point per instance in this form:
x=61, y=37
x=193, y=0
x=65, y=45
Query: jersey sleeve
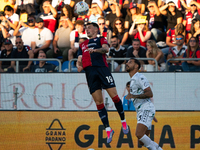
x=144, y=83
x=103, y=41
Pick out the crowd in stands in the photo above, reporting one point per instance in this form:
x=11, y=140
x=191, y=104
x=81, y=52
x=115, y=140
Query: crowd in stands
x=159, y=29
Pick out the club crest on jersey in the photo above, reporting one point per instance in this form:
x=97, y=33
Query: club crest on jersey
x=84, y=47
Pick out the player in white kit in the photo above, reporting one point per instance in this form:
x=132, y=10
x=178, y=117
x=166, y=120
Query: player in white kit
x=141, y=93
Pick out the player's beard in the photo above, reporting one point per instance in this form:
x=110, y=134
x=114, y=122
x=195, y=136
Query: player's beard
x=127, y=69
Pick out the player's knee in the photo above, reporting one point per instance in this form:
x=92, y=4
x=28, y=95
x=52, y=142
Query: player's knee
x=139, y=135
x=116, y=99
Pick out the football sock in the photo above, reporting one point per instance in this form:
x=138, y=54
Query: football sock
x=108, y=129
x=119, y=106
x=148, y=143
x=103, y=115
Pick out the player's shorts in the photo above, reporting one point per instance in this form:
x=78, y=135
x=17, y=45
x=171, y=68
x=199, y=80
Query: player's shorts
x=99, y=78
x=145, y=114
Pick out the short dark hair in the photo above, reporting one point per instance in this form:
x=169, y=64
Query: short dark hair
x=137, y=62
x=79, y=22
x=8, y=8
x=180, y=34
x=128, y=83
x=136, y=40
x=83, y=38
x=93, y=24
x=114, y=36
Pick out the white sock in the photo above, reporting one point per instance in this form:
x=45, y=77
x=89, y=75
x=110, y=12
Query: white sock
x=155, y=144
x=108, y=129
x=148, y=142
x=123, y=120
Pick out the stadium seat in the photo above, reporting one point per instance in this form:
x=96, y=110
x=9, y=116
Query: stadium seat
x=53, y=62
x=65, y=66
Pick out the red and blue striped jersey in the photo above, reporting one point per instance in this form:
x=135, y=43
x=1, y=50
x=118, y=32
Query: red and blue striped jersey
x=94, y=59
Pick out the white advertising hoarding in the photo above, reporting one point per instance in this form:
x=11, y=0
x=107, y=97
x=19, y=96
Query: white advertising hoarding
x=69, y=91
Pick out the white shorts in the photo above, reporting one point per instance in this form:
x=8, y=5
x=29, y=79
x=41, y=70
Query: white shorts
x=145, y=114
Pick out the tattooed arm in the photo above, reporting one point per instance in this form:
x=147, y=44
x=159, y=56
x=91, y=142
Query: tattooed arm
x=104, y=49
x=147, y=94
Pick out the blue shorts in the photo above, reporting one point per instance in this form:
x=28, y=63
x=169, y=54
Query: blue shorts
x=99, y=78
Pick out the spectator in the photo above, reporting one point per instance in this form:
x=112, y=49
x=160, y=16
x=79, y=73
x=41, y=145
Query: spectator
x=195, y=29
x=189, y=16
x=25, y=31
x=144, y=4
x=6, y=54
x=136, y=51
x=42, y=37
x=27, y=5
x=192, y=51
x=11, y=17
x=85, y=18
x=4, y=3
x=21, y=51
x=58, y=3
x=121, y=32
x=171, y=34
x=49, y=16
x=79, y=32
x=177, y=52
x=141, y=32
x=67, y=12
x=155, y=20
x=126, y=100
x=154, y=52
x=117, y=51
x=95, y=13
x=42, y=66
x=174, y=16
x=99, y=3
x=7, y=31
x=103, y=31
x=61, y=42
x=115, y=12
x=132, y=13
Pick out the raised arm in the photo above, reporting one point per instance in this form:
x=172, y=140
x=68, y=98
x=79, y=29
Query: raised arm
x=104, y=49
x=163, y=9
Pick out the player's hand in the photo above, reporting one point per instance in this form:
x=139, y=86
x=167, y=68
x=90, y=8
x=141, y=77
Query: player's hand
x=134, y=96
x=155, y=119
x=91, y=50
x=80, y=68
x=128, y=96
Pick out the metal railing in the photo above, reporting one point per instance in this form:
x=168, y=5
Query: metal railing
x=112, y=62
x=178, y=59
x=33, y=59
